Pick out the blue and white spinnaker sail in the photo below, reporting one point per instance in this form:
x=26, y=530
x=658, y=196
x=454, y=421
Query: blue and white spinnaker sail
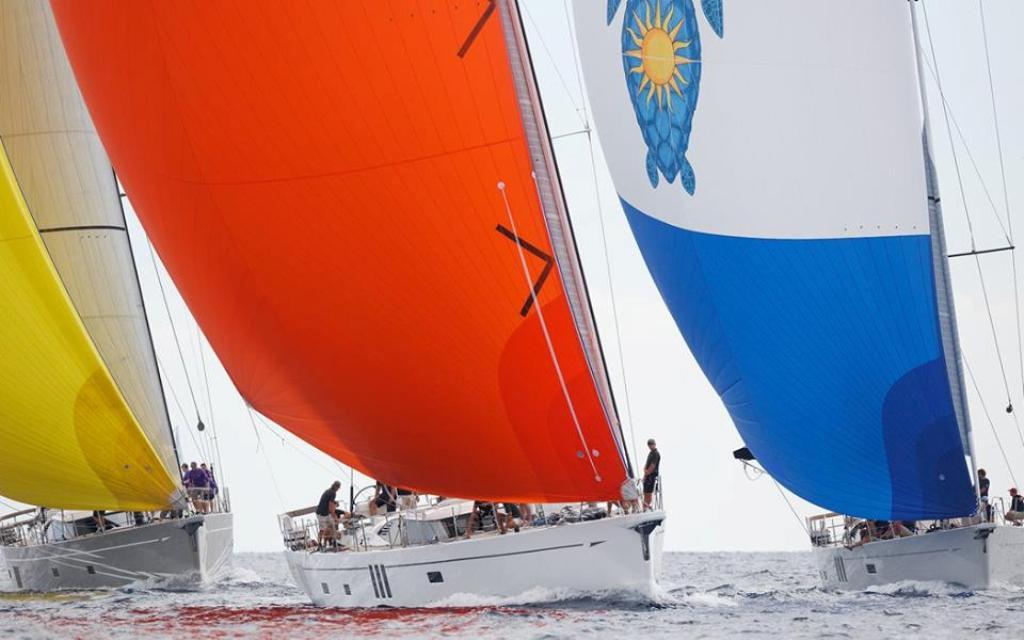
x=768, y=156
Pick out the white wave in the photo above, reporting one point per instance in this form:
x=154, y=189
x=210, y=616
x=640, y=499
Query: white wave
x=241, y=575
x=536, y=595
x=918, y=588
x=706, y=599
x=543, y=595
x=187, y=582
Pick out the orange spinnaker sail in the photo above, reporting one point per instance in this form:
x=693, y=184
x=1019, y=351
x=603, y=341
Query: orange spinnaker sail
x=321, y=179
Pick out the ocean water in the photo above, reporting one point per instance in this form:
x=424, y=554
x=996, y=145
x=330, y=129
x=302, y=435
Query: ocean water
x=706, y=595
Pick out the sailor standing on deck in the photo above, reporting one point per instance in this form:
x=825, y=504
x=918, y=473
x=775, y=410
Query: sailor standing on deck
x=327, y=513
x=983, y=485
x=651, y=472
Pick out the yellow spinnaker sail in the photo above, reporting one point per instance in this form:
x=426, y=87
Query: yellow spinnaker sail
x=67, y=437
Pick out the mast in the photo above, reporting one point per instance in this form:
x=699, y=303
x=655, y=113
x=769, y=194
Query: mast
x=943, y=285
x=556, y=214
x=145, y=319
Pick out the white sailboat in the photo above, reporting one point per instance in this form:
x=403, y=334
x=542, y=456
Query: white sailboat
x=802, y=255
x=422, y=557
x=383, y=260
x=83, y=422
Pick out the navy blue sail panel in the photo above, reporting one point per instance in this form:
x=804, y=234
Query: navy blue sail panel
x=828, y=357
x=774, y=182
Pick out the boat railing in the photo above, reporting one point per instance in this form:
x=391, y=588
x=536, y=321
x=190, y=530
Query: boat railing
x=219, y=503
x=427, y=523
x=300, y=531
x=839, y=530
x=15, y=527
x=31, y=527
x=828, y=529
x=998, y=511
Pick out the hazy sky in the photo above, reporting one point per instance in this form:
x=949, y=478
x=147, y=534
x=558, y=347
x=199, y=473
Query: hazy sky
x=712, y=504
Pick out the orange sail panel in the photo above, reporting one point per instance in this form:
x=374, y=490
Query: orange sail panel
x=322, y=181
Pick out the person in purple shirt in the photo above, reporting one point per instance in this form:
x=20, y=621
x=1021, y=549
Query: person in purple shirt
x=213, y=489
x=198, y=482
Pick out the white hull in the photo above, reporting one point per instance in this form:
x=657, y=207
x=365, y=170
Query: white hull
x=613, y=554
x=976, y=557
x=191, y=550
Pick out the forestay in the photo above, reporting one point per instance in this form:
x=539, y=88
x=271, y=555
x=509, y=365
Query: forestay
x=768, y=156
x=67, y=437
x=71, y=192
x=344, y=195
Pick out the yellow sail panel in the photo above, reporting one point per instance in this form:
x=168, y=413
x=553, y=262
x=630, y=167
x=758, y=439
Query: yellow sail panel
x=67, y=437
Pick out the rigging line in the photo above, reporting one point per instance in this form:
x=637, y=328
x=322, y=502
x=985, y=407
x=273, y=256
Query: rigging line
x=967, y=215
x=995, y=338
x=255, y=431
x=558, y=71
x=547, y=335
x=991, y=424
x=181, y=410
x=174, y=329
x=578, y=70
x=970, y=155
x=577, y=67
x=209, y=400
x=995, y=119
x=268, y=426
x=611, y=295
x=949, y=130
x=1006, y=193
x=568, y=134
x=270, y=469
x=792, y=509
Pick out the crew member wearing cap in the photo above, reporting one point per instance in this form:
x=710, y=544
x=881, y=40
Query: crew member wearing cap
x=651, y=472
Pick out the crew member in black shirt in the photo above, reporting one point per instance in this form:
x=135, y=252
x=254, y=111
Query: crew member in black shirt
x=327, y=513
x=1016, y=512
x=651, y=472
x=384, y=495
x=983, y=484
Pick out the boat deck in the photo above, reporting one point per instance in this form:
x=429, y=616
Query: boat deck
x=839, y=530
x=443, y=522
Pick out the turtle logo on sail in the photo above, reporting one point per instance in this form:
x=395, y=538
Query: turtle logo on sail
x=661, y=60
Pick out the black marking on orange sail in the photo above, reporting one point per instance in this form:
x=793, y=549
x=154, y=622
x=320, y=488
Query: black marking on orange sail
x=549, y=262
x=477, y=28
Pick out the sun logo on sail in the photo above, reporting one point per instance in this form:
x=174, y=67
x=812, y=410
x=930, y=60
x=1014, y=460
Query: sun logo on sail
x=661, y=58
x=657, y=55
